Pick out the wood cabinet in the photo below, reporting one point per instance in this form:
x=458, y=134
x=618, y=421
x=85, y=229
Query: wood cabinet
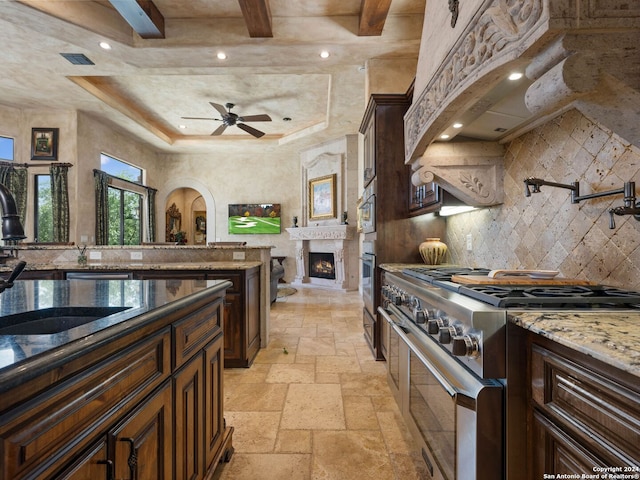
x=242, y=316
x=382, y=128
x=581, y=413
x=424, y=198
x=150, y=407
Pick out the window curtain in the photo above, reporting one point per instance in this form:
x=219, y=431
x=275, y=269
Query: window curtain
x=102, y=207
x=15, y=179
x=151, y=195
x=60, y=201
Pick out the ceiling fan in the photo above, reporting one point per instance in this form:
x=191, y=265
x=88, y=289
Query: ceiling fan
x=229, y=119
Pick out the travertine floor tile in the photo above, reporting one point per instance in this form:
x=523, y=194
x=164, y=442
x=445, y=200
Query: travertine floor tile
x=279, y=466
x=256, y=397
x=297, y=373
x=313, y=406
x=294, y=441
x=254, y=432
x=317, y=346
x=359, y=413
x=351, y=454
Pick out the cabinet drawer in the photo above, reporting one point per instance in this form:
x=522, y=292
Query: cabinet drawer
x=598, y=411
x=47, y=430
x=196, y=330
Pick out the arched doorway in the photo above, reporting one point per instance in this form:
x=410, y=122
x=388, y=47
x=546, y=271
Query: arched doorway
x=196, y=207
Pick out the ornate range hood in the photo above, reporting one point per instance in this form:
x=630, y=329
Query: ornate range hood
x=582, y=55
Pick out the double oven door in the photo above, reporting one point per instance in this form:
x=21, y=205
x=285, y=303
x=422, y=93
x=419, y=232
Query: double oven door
x=455, y=417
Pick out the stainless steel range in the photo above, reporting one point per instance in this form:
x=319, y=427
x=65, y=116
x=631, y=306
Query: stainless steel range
x=447, y=359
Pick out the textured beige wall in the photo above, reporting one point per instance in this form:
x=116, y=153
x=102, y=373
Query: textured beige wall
x=546, y=230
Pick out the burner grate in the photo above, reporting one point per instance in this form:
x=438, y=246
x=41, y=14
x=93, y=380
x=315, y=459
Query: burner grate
x=562, y=297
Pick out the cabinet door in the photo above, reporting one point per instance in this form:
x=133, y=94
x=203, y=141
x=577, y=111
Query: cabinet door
x=252, y=314
x=142, y=443
x=92, y=464
x=188, y=386
x=213, y=400
x=369, y=151
x=233, y=330
x=423, y=199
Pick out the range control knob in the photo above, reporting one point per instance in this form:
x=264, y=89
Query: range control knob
x=465, y=346
x=435, y=324
x=446, y=334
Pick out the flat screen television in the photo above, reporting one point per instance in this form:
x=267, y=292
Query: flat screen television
x=254, y=218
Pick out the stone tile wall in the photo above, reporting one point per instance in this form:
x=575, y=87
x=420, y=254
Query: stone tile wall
x=546, y=230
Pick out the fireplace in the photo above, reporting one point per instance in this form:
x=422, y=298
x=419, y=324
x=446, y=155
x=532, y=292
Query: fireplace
x=322, y=265
x=326, y=257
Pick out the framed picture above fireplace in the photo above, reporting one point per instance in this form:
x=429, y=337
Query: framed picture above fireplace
x=322, y=197
x=254, y=218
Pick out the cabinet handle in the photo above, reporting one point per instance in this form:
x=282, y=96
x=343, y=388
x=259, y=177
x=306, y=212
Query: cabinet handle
x=132, y=461
x=109, y=464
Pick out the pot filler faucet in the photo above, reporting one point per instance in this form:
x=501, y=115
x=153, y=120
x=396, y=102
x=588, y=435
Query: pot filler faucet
x=11, y=227
x=629, y=190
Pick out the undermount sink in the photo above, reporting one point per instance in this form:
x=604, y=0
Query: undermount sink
x=54, y=320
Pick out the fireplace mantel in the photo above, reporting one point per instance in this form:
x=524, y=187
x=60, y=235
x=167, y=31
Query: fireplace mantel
x=341, y=241
x=331, y=232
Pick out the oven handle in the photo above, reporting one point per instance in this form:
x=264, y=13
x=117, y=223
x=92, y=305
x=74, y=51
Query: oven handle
x=402, y=332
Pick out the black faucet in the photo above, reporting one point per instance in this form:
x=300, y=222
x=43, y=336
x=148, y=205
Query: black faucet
x=11, y=226
x=17, y=270
x=629, y=190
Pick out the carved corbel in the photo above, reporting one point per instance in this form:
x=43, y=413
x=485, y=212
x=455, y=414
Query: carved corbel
x=471, y=171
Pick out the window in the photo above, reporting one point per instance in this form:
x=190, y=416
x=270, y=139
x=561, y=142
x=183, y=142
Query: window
x=6, y=148
x=125, y=217
x=43, y=227
x=126, y=200
x=120, y=169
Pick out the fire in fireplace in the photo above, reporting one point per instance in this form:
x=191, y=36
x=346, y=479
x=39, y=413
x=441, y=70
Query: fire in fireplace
x=322, y=265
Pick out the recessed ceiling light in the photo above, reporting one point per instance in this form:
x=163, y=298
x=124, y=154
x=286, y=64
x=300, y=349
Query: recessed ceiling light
x=515, y=76
x=457, y=125
x=444, y=136
x=324, y=54
x=105, y=45
x=222, y=56
x=182, y=126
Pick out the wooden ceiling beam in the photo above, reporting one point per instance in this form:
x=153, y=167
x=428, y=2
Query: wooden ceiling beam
x=143, y=16
x=257, y=16
x=373, y=14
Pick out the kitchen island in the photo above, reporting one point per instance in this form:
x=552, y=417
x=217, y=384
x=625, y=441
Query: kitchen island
x=135, y=394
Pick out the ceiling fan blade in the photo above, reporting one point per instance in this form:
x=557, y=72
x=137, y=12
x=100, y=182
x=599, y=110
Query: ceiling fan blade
x=251, y=130
x=255, y=118
x=198, y=118
x=219, y=130
x=219, y=108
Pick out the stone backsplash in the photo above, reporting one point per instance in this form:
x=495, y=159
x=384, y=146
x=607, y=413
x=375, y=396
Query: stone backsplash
x=546, y=230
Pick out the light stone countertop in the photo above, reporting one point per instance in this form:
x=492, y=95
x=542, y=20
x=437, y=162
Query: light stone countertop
x=223, y=265
x=612, y=337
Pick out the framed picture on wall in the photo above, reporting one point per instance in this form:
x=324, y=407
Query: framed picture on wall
x=44, y=144
x=322, y=197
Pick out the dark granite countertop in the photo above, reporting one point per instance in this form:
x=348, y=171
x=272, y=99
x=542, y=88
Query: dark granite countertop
x=146, y=301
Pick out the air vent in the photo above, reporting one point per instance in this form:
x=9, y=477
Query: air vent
x=77, y=58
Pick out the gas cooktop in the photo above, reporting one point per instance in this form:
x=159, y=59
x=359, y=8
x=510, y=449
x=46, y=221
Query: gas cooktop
x=525, y=296
x=562, y=297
